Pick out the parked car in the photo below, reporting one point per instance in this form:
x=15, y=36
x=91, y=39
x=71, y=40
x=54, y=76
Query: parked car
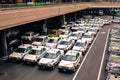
x=116, y=20
x=40, y=41
x=53, y=42
x=54, y=33
x=50, y=59
x=114, y=46
x=106, y=22
x=82, y=30
x=92, y=31
x=20, y=52
x=75, y=36
x=111, y=76
x=70, y=61
x=88, y=37
x=63, y=28
x=36, y=53
x=81, y=46
x=30, y=36
x=66, y=44
x=112, y=62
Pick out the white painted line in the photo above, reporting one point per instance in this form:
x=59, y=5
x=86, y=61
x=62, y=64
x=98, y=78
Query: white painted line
x=105, y=47
x=85, y=58
x=103, y=32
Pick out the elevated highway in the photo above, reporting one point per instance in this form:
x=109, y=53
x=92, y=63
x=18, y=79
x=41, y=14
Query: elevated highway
x=12, y=18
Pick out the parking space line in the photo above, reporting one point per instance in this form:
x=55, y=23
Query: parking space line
x=105, y=47
x=85, y=58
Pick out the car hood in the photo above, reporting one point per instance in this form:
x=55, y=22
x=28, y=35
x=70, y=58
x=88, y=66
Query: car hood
x=73, y=37
x=64, y=36
x=52, y=45
x=46, y=61
x=62, y=46
x=66, y=63
x=15, y=54
x=78, y=48
x=112, y=64
x=36, y=43
x=86, y=39
x=30, y=57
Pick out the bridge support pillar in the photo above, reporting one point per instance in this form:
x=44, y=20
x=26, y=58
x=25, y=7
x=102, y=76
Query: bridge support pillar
x=64, y=19
x=3, y=41
x=45, y=31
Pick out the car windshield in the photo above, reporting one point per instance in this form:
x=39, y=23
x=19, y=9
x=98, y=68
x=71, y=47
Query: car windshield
x=20, y=50
x=63, y=43
x=53, y=32
x=51, y=41
x=80, y=44
x=87, y=36
x=91, y=30
x=73, y=34
x=50, y=55
x=39, y=39
x=34, y=52
x=114, y=59
x=69, y=58
x=80, y=29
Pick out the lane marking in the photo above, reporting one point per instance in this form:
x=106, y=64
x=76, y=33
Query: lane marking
x=85, y=57
x=101, y=65
x=103, y=32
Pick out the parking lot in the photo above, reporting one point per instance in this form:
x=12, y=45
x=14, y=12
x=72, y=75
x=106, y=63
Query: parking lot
x=89, y=67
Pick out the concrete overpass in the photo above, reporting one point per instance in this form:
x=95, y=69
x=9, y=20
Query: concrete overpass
x=11, y=18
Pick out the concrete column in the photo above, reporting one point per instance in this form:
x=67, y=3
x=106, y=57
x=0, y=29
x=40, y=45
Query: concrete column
x=93, y=13
x=3, y=42
x=113, y=13
x=64, y=19
x=45, y=26
x=75, y=15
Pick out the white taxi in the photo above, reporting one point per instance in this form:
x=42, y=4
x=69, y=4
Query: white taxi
x=40, y=40
x=88, y=37
x=75, y=36
x=92, y=31
x=30, y=36
x=50, y=59
x=20, y=52
x=53, y=42
x=36, y=53
x=66, y=44
x=70, y=61
x=81, y=46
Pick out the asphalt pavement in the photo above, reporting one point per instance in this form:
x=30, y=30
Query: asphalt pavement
x=88, y=71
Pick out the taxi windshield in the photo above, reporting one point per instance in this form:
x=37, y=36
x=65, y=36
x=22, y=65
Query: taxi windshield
x=79, y=44
x=73, y=34
x=50, y=40
x=87, y=36
x=34, y=52
x=50, y=55
x=39, y=39
x=20, y=50
x=63, y=43
x=69, y=58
